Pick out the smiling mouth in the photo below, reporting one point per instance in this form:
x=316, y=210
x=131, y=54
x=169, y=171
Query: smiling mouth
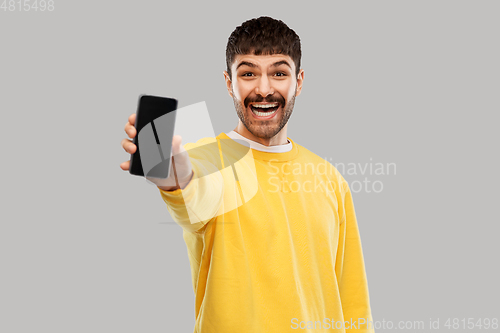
x=264, y=109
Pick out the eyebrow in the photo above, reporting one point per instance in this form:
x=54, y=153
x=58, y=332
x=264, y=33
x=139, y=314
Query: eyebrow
x=282, y=62
x=276, y=64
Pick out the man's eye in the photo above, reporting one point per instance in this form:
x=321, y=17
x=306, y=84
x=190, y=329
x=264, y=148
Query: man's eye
x=280, y=74
x=247, y=74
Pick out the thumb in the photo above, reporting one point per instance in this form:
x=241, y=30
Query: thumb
x=176, y=144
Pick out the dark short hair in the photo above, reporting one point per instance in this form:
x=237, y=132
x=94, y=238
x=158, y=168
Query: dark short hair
x=263, y=36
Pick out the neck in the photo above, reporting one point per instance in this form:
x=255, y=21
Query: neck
x=278, y=139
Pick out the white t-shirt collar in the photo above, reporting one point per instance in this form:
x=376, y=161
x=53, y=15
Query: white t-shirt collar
x=258, y=146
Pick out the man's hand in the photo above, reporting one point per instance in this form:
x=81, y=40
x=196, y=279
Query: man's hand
x=181, y=170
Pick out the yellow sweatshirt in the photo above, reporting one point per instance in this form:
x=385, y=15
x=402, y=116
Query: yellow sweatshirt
x=272, y=240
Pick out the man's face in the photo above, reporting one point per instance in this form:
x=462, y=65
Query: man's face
x=263, y=89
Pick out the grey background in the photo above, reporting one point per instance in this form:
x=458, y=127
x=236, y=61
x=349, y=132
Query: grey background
x=84, y=246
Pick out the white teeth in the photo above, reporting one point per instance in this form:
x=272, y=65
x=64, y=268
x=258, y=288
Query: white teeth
x=265, y=106
x=261, y=114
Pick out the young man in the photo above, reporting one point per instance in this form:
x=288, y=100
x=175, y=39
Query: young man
x=274, y=245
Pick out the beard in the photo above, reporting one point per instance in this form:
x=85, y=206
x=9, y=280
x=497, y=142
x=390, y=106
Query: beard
x=265, y=129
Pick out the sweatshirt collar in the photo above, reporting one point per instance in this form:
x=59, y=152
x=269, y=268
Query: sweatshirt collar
x=258, y=146
x=266, y=155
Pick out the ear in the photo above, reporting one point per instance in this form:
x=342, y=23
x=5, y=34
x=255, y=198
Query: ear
x=228, y=83
x=300, y=80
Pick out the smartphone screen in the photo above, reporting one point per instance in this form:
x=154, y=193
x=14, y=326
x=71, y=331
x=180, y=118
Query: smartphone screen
x=155, y=123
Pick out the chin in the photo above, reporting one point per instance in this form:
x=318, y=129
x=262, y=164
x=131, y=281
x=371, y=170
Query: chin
x=263, y=131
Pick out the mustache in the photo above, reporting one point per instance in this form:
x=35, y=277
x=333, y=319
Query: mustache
x=259, y=99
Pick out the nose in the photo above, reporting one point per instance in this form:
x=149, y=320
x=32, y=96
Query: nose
x=263, y=87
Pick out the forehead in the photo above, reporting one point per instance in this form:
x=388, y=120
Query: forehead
x=262, y=61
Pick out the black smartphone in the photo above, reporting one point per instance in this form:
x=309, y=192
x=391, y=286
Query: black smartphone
x=155, y=123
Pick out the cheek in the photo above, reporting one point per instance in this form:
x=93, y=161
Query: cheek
x=286, y=89
x=288, y=93
x=241, y=92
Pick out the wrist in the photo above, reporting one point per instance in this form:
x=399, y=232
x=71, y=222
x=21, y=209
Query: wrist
x=178, y=184
x=183, y=184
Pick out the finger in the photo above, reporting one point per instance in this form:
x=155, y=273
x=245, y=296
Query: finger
x=131, y=119
x=129, y=146
x=125, y=165
x=176, y=144
x=130, y=130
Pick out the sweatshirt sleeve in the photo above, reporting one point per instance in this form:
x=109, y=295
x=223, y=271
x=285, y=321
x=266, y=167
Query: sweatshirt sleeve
x=199, y=202
x=350, y=270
